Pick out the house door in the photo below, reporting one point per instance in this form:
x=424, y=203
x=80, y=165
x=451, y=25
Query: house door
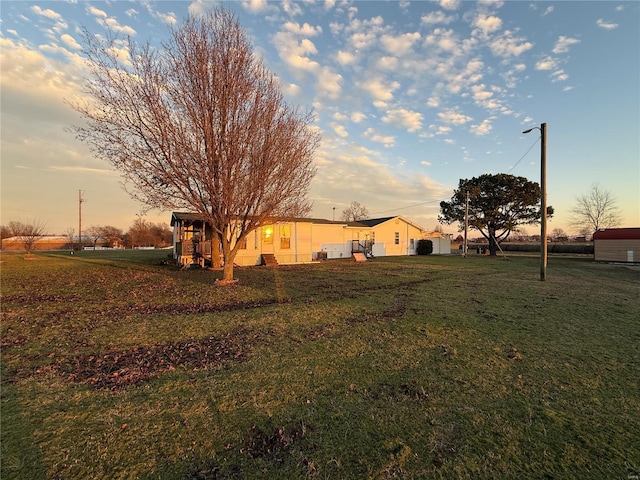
x=266, y=238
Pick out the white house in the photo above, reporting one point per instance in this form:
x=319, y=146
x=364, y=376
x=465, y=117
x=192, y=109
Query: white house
x=300, y=240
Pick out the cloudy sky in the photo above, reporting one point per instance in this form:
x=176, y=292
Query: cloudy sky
x=410, y=97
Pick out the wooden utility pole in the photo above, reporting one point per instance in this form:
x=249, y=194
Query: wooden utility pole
x=543, y=202
x=80, y=200
x=543, y=198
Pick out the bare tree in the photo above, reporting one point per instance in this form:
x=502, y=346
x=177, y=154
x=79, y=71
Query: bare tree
x=28, y=233
x=594, y=210
x=148, y=234
x=558, y=235
x=94, y=233
x=70, y=233
x=354, y=212
x=111, y=235
x=5, y=232
x=200, y=123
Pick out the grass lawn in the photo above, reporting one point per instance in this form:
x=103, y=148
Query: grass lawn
x=114, y=366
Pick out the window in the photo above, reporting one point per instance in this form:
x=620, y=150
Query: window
x=397, y=241
x=243, y=244
x=285, y=237
x=267, y=235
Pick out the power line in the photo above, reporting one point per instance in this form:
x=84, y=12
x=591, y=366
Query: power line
x=525, y=154
x=433, y=201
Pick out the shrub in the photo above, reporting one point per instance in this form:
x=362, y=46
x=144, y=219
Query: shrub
x=571, y=248
x=425, y=247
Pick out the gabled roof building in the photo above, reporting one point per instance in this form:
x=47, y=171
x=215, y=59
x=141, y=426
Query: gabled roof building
x=617, y=245
x=301, y=240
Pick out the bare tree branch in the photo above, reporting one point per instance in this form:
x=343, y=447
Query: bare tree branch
x=594, y=210
x=354, y=212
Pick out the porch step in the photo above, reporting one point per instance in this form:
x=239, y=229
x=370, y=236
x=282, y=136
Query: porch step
x=269, y=259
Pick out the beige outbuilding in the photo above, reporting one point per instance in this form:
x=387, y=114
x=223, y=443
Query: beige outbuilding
x=617, y=245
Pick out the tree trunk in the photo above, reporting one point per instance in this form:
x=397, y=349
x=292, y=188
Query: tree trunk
x=493, y=244
x=216, y=262
x=227, y=273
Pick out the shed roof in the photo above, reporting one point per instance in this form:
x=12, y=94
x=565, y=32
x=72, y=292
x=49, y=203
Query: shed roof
x=617, y=234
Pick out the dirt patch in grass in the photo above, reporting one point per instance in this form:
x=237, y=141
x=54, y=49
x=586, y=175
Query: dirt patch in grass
x=194, y=308
x=272, y=442
x=118, y=369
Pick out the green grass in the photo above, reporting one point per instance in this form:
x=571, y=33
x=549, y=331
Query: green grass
x=114, y=366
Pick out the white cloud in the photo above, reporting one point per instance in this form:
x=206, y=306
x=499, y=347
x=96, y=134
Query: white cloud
x=291, y=8
x=480, y=93
x=401, y=117
x=329, y=83
x=444, y=39
x=364, y=33
x=345, y=58
x=508, y=45
x=388, y=63
x=304, y=30
x=363, y=40
x=559, y=76
x=386, y=140
x=291, y=89
x=380, y=90
x=357, y=117
x=483, y=129
x=295, y=52
x=109, y=22
x=59, y=24
x=454, y=117
x=70, y=42
x=399, y=45
x=606, y=25
x=563, y=44
x=547, y=11
x=255, y=6
x=168, y=18
x=96, y=12
x=487, y=24
x=48, y=13
x=547, y=63
x=434, y=18
x=339, y=129
x=450, y=4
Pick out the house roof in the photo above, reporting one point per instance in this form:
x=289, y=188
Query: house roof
x=191, y=217
x=373, y=222
x=617, y=234
x=365, y=223
x=196, y=217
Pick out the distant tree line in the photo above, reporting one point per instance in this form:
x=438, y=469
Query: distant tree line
x=141, y=234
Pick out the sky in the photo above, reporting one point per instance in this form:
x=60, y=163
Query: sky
x=410, y=97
